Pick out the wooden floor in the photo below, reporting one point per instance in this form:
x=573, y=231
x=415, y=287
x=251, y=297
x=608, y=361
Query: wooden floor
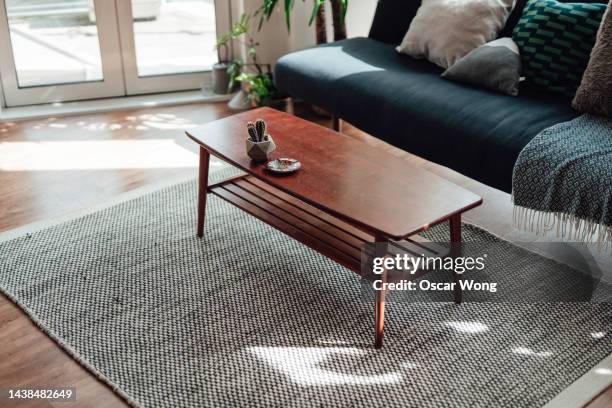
x=52, y=167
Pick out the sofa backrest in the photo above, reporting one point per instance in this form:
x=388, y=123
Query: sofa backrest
x=393, y=17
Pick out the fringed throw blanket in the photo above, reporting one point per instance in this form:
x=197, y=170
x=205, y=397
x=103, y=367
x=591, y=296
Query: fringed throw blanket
x=562, y=181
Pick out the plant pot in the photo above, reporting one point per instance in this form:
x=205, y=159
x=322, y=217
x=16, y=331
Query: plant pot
x=240, y=101
x=260, y=151
x=221, y=79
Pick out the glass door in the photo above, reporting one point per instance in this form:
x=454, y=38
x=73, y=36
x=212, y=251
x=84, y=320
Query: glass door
x=169, y=45
x=54, y=51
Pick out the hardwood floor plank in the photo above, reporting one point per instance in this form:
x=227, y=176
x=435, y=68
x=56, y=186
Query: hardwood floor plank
x=603, y=400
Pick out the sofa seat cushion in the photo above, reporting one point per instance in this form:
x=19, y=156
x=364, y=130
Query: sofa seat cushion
x=405, y=102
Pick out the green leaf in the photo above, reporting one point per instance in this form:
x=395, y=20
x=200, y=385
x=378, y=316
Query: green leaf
x=315, y=9
x=268, y=7
x=224, y=39
x=345, y=4
x=233, y=70
x=261, y=21
x=288, y=8
x=239, y=28
x=260, y=87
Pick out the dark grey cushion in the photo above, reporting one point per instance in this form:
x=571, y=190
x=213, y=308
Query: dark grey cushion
x=405, y=102
x=495, y=66
x=517, y=12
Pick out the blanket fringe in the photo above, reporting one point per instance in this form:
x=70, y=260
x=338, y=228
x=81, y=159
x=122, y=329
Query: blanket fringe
x=566, y=226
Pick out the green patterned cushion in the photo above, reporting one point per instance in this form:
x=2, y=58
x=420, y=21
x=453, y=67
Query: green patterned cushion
x=555, y=40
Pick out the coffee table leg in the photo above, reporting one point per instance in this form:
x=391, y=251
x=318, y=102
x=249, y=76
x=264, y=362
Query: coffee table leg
x=455, y=236
x=379, y=313
x=202, y=189
x=379, y=305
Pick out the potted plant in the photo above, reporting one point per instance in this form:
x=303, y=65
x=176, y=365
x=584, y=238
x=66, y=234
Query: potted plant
x=259, y=144
x=338, y=9
x=221, y=75
x=257, y=86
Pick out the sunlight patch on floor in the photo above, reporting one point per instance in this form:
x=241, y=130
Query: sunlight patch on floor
x=468, y=327
x=145, y=121
x=525, y=351
x=95, y=155
x=306, y=365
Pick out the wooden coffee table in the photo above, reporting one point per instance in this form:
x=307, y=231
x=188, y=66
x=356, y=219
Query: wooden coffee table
x=347, y=193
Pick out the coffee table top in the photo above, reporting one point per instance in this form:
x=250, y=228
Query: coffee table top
x=345, y=177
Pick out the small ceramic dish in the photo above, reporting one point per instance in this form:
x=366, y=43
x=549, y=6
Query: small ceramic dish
x=284, y=165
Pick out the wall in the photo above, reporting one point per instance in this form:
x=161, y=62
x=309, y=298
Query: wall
x=272, y=45
x=359, y=17
x=358, y=21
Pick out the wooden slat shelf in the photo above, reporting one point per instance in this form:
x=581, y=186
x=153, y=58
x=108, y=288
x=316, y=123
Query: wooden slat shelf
x=320, y=231
x=328, y=235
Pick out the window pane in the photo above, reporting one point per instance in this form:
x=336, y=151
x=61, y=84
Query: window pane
x=174, y=36
x=54, y=42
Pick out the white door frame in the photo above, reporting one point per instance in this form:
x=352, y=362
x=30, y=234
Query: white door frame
x=134, y=84
x=112, y=83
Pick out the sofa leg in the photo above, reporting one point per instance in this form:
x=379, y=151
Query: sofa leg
x=337, y=123
x=289, y=107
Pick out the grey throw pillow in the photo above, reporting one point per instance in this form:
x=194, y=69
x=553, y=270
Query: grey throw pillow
x=495, y=66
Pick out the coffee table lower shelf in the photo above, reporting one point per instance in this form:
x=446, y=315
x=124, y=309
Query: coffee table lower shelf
x=320, y=231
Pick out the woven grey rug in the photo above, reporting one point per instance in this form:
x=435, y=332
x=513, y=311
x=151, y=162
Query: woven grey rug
x=248, y=317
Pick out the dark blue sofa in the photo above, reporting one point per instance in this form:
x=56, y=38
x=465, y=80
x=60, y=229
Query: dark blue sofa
x=405, y=102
